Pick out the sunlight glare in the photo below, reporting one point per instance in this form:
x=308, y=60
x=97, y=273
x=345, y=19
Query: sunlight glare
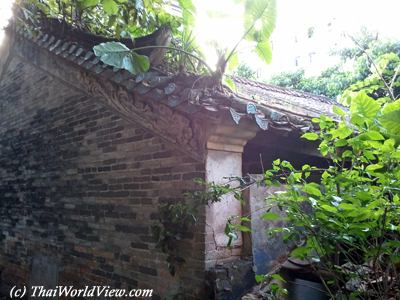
x=219, y=25
x=5, y=15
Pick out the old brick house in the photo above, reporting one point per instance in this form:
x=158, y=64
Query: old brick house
x=88, y=153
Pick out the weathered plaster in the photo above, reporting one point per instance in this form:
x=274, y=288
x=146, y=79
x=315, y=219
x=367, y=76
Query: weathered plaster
x=224, y=160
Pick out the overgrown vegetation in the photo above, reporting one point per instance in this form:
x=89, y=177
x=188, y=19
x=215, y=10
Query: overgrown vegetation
x=123, y=18
x=111, y=18
x=331, y=82
x=347, y=223
x=256, y=12
x=176, y=219
x=245, y=71
x=334, y=80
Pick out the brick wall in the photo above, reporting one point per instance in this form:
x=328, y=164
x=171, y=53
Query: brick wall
x=81, y=186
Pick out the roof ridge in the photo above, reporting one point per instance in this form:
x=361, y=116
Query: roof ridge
x=184, y=95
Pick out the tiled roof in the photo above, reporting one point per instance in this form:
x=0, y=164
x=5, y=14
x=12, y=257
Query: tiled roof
x=268, y=105
x=285, y=99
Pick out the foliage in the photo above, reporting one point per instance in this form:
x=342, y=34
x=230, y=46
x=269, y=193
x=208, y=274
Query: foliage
x=259, y=20
x=386, y=70
x=331, y=82
x=364, y=38
x=245, y=71
x=113, y=18
x=259, y=23
x=366, y=42
x=179, y=60
x=175, y=220
x=118, y=55
x=123, y=18
x=348, y=221
x=288, y=79
x=335, y=80
x=345, y=219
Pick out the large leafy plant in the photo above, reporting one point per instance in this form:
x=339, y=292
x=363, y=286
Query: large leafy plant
x=259, y=22
x=112, y=18
x=118, y=55
x=345, y=219
x=123, y=18
x=120, y=19
x=348, y=221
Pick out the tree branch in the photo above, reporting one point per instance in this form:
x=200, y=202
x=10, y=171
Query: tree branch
x=388, y=87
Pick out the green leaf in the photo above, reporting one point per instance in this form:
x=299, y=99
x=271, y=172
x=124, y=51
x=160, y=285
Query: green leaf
x=374, y=135
x=323, y=148
x=262, y=12
x=373, y=167
x=233, y=62
x=270, y=216
x=315, y=120
x=346, y=206
x=390, y=119
x=142, y=62
x=340, y=143
x=342, y=132
x=110, y=7
x=278, y=277
x=264, y=51
x=288, y=165
x=229, y=82
x=300, y=252
x=347, y=153
x=187, y=5
x=188, y=12
x=329, y=208
x=118, y=55
x=311, y=136
x=245, y=219
x=364, y=196
x=259, y=22
x=260, y=278
x=87, y=3
x=363, y=109
x=337, y=110
x=312, y=189
x=230, y=233
x=243, y=228
x=107, y=51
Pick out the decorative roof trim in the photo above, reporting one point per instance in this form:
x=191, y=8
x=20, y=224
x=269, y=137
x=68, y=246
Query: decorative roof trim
x=128, y=97
x=180, y=108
